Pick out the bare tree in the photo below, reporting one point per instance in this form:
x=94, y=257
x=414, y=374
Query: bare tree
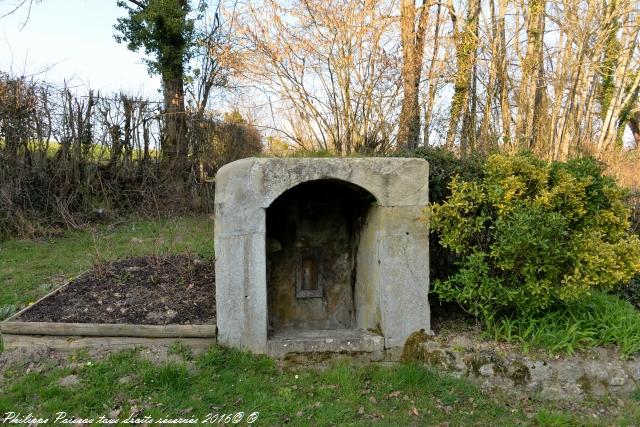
x=433, y=82
x=332, y=68
x=561, y=78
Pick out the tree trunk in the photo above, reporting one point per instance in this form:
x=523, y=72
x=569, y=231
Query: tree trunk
x=501, y=80
x=485, y=134
x=634, y=126
x=433, y=86
x=532, y=86
x=174, y=147
x=468, y=134
x=466, y=43
x=412, y=54
x=618, y=99
x=127, y=105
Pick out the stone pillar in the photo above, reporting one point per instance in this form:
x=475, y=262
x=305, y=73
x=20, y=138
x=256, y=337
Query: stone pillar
x=241, y=293
x=241, y=306
x=403, y=253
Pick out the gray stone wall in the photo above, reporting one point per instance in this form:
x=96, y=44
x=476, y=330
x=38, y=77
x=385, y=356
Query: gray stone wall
x=548, y=377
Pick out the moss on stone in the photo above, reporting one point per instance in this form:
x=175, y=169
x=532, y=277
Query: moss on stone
x=475, y=361
x=413, y=350
x=584, y=383
x=519, y=373
x=434, y=357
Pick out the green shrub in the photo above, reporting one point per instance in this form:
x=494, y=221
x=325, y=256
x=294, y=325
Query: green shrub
x=531, y=234
x=596, y=320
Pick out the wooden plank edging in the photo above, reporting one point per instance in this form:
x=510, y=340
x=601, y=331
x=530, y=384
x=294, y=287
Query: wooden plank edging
x=107, y=330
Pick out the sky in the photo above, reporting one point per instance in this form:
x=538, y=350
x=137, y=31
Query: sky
x=72, y=40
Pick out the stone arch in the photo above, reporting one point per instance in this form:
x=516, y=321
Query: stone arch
x=357, y=185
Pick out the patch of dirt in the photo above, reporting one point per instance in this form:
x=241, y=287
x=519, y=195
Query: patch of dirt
x=175, y=289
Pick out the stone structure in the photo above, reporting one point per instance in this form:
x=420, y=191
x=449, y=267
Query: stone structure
x=319, y=245
x=501, y=366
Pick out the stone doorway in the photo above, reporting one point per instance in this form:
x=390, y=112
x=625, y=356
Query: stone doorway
x=313, y=234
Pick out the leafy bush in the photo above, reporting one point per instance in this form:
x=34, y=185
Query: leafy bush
x=596, y=320
x=530, y=235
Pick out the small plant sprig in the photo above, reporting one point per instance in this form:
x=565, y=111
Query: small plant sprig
x=7, y=311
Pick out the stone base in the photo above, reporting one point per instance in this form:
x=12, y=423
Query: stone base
x=494, y=365
x=331, y=341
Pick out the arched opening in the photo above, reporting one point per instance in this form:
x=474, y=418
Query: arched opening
x=313, y=233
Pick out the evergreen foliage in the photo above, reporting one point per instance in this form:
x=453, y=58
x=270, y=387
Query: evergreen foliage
x=531, y=235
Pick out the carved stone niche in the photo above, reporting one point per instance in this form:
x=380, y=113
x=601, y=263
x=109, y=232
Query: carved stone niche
x=321, y=254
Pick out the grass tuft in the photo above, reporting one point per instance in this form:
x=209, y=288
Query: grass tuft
x=554, y=419
x=170, y=377
x=7, y=311
x=597, y=320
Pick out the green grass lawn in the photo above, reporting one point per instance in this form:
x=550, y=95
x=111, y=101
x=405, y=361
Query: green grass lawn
x=223, y=381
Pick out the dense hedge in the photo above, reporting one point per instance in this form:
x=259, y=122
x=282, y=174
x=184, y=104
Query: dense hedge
x=443, y=166
x=529, y=235
x=631, y=291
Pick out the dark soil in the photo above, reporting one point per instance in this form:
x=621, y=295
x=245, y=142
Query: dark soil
x=150, y=290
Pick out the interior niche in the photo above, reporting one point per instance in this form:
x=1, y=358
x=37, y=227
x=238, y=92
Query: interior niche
x=313, y=233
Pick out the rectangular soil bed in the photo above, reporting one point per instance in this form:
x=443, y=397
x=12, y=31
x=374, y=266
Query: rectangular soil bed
x=129, y=302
